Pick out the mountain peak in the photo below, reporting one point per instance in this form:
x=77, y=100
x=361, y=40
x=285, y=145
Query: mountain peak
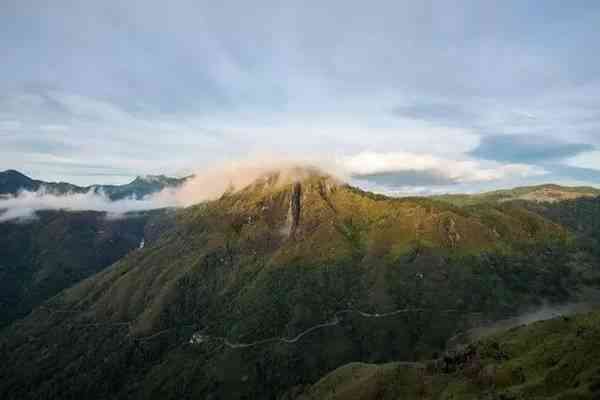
x=151, y=179
x=13, y=173
x=11, y=181
x=288, y=175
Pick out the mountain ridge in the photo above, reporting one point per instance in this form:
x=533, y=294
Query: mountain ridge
x=13, y=181
x=548, y=192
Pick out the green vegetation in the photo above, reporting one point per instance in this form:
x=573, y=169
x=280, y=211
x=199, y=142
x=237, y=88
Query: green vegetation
x=273, y=260
x=555, y=359
x=40, y=258
x=541, y=193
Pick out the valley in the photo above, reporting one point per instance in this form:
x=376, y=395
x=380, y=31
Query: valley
x=33, y=268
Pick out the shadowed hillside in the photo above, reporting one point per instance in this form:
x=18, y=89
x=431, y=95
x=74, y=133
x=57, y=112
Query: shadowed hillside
x=555, y=359
x=40, y=258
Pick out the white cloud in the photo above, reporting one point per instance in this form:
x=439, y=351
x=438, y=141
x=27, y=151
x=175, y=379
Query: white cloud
x=444, y=170
x=210, y=183
x=87, y=107
x=25, y=204
x=585, y=160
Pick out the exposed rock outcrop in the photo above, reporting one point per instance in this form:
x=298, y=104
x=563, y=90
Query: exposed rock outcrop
x=295, y=209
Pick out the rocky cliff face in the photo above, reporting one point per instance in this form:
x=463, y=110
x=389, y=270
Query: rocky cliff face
x=295, y=208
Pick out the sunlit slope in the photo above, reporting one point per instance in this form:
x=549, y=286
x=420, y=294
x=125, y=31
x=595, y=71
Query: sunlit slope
x=245, y=234
x=549, y=193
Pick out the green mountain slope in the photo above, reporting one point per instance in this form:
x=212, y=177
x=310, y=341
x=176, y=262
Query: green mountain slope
x=274, y=286
x=556, y=359
x=40, y=258
x=548, y=193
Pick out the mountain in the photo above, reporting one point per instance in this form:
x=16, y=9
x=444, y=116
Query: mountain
x=11, y=182
x=555, y=359
x=548, y=193
x=40, y=258
x=140, y=186
x=270, y=288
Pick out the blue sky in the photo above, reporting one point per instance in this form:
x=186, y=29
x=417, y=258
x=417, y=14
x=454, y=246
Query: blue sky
x=410, y=97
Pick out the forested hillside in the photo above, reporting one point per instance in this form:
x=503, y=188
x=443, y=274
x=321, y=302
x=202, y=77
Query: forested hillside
x=41, y=257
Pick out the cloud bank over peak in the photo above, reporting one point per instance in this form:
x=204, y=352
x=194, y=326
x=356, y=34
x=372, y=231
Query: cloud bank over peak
x=208, y=184
x=394, y=173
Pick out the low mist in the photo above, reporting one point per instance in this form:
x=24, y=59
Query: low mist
x=206, y=185
x=540, y=314
x=23, y=206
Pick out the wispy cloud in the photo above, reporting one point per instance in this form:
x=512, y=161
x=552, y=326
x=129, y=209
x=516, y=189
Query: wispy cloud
x=407, y=169
x=527, y=148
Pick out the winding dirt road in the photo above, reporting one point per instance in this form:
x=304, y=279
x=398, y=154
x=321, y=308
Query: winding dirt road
x=200, y=338
x=334, y=322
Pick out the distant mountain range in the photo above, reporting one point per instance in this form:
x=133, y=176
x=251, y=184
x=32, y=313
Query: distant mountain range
x=548, y=193
x=12, y=182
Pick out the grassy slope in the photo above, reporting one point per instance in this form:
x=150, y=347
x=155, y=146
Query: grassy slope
x=542, y=193
x=558, y=359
